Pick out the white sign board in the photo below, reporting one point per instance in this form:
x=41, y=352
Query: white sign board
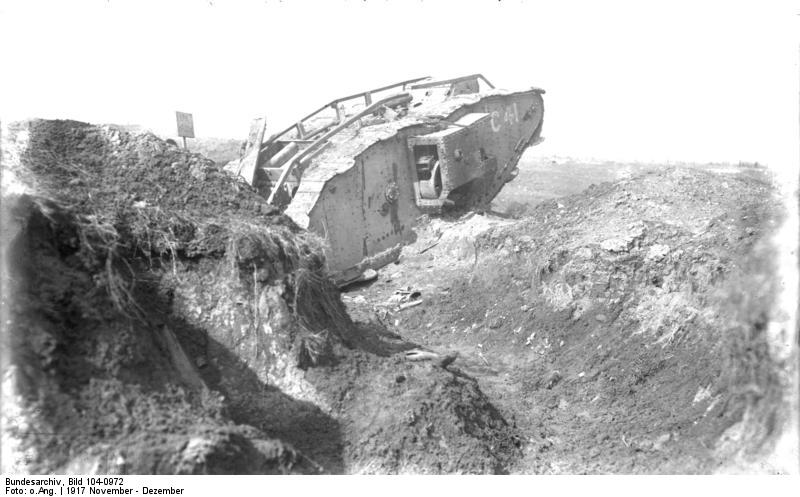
x=185, y=124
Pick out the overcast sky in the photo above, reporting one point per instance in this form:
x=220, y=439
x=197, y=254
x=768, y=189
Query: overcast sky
x=655, y=81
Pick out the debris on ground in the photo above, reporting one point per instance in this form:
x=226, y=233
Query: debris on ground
x=627, y=318
x=161, y=317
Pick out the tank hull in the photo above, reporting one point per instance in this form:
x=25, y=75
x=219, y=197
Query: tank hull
x=365, y=207
x=361, y=173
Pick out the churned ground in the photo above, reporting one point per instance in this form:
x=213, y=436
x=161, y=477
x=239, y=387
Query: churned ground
x=160, y=317
x=624, y=329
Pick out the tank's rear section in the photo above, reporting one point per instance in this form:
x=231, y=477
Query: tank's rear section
x=467, y=163
x=362, y=179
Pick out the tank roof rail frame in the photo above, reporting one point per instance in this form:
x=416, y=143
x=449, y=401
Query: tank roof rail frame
x=306, y=152
x=367, y=95
x=451, y=81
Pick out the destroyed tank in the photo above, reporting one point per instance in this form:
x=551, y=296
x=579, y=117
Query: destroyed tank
x=360, y=170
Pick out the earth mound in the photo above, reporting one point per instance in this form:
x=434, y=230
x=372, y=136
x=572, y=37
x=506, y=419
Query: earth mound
x=630, y=328
x=161, y=317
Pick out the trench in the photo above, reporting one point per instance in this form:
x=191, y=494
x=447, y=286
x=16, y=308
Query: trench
x=609, y=355
x=163, y=319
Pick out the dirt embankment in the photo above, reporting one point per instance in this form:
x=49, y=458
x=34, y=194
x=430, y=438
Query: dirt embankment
x=630, y=328
x=160, y=317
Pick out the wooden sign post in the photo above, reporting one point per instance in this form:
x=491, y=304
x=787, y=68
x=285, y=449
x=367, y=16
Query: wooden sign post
x=185, y=126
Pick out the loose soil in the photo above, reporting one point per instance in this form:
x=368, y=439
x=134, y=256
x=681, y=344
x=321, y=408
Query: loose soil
x=623, y=329
x=160, y=317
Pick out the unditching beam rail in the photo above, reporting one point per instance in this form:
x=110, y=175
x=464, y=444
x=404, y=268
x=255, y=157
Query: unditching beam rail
x=308, y=151
x=366, y=95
